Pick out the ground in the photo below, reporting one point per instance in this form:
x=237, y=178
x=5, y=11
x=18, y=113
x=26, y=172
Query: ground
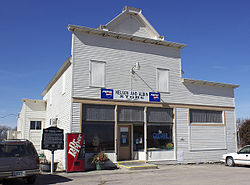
x=202, y=174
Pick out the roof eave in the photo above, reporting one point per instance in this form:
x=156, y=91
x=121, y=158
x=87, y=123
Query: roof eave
x=58, y=74
x=33, y=100
x=125, y=36
x=201, y=82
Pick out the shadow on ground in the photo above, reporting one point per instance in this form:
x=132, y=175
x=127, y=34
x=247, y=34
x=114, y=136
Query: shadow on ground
x=41, y=180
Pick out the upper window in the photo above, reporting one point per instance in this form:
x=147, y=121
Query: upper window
x=162, y=80
x=97, y=74
x=35, y=125
x=205, y=116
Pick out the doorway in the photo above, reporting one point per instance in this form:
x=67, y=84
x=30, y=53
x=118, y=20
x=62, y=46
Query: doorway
x=124, y=138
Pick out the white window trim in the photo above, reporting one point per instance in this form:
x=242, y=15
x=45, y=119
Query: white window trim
x=90, y=70
x=157, y=82
x=35, y=124
x=223, y=123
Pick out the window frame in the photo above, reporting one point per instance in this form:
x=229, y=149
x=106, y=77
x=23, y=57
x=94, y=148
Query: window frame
x=36, y=125
x=171, y=138
x=223, y=123
x=90, y=74
x=158, y=89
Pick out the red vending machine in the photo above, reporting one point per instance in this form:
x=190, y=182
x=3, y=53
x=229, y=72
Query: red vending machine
x=75, y=152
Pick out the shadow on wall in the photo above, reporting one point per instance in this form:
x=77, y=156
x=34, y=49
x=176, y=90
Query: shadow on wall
x=134, y=25
x=210, y=90
x=113, y=43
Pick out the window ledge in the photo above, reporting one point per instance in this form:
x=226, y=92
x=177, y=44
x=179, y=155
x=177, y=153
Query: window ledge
x=95, y=87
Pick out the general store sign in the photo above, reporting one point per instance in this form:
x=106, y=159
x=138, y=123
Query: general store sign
x=130, y=95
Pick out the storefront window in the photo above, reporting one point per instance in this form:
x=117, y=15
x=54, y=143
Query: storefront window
x=138, y=137
x=99, y=137
x=160, y=137
x=98, y=127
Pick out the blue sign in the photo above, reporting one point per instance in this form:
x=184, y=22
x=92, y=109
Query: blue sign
x=130, y=95
x=162, y=136
x=107, y=94
x=154, y=97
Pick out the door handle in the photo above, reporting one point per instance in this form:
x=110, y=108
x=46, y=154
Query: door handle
x=246, y=155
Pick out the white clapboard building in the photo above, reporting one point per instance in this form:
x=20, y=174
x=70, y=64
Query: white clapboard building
x=122, y=87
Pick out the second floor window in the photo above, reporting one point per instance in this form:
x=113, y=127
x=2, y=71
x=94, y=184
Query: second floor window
x=35, y=125
x=162, y=80
x=97, y=73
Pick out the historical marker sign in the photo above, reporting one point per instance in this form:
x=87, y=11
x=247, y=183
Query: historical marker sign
x=53, y=139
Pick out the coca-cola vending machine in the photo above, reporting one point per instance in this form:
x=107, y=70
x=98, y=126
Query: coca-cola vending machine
x=75, y=152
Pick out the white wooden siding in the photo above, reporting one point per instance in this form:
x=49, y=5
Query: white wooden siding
x=31, y=111
x=76, y=117
x=231, y=131
x=61, y=109
x=36, y=138
x=121, y=55
x=203, y=154
x=207, y=137
x=132, y=26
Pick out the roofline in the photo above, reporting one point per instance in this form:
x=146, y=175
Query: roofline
x=58, y=74
x=202, y=82
x=125, y=36
x=33, y=100
x=138, y=12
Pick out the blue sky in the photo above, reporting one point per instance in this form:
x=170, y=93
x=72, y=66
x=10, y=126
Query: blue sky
x=35, y=42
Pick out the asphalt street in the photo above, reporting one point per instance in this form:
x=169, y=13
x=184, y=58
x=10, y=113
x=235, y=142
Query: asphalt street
x=202, y=174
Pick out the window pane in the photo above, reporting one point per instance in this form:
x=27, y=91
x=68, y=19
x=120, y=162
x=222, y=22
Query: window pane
x=205, y=116
x=97, y=74
x=15, y=150
x=98, y=112
x=138, y=137
x=38, y=125
x=160, y=137
x=163, y=80
x=160, y=115
x=32, y=125
x=135, y=114
x=99, y=137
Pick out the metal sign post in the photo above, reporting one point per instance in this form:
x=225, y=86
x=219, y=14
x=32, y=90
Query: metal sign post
x=52, y=162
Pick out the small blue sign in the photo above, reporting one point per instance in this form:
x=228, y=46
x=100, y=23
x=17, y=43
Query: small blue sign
x=160, y=136
x=154, y=97
x=107, y=94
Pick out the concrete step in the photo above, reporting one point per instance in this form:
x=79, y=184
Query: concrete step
x=136, y=165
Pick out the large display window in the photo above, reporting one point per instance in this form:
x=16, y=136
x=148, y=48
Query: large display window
x=160, y=137
x=98, y=127
x=99, y=137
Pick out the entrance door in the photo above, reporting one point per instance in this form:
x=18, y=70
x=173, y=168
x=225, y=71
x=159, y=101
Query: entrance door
x=124, y=142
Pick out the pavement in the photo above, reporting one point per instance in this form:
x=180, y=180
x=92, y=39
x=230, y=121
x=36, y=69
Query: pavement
x=198, y=174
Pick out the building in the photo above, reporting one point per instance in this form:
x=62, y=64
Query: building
x=122, y=86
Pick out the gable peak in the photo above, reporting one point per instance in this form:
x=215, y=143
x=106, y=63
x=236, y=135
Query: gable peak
x=131, y=21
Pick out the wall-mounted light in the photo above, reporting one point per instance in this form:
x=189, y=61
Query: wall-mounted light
x=135, y=67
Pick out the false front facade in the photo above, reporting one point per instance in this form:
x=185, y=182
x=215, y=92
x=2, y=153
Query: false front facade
x=123, y=88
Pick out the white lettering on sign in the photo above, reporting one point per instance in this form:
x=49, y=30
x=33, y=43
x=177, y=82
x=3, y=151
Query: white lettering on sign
x=75, y=146
x=131, y=95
